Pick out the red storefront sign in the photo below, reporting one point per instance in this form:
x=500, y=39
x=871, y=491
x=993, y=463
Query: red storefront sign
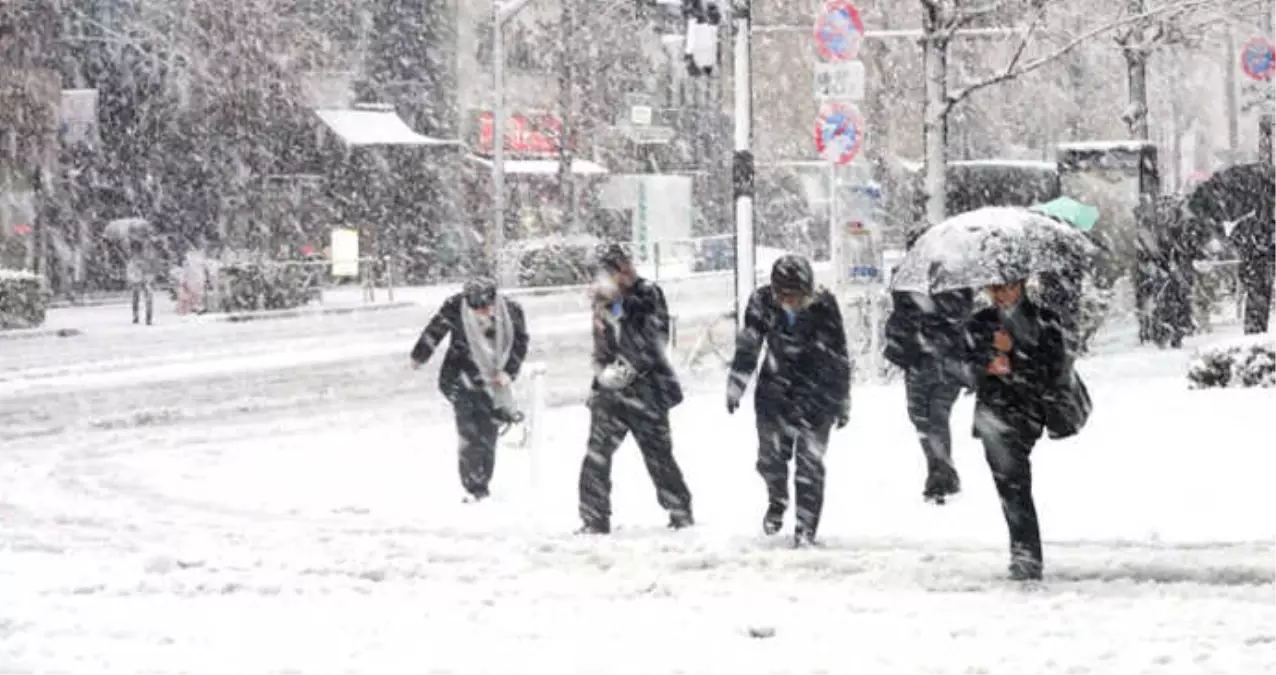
x=536, y=135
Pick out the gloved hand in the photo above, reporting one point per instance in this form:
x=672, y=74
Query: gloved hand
x=844, y=416
x=617, y=375
x=735, y=392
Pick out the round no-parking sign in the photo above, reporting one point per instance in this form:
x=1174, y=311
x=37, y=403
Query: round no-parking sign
x=839, y=132
x=1258, y=59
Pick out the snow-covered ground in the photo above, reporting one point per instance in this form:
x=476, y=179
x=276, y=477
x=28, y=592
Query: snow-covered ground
x=305, y=528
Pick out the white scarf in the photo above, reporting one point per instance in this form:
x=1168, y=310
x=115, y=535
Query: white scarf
x=491, y=355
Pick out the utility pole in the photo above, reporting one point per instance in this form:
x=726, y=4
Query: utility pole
x=742, y=170
x=566, y=116
x=501, y=15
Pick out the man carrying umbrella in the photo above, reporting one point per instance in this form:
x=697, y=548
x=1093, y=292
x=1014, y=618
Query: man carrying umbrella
x=1017, y=362
x=1018, y=358
x=802, y=391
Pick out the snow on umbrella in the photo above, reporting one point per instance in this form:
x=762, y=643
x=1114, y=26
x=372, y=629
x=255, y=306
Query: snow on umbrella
x=992, y=245
x=128, y=228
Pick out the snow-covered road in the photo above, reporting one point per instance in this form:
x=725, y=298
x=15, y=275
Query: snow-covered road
x=314, y=525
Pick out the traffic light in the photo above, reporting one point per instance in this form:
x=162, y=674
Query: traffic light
x=703, y=18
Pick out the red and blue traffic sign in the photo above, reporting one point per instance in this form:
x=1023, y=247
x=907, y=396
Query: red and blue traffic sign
x=839, y=31
x=1258, y=58
x=839, y=132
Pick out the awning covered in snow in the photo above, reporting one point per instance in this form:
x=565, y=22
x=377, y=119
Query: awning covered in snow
x=380, y=126
x=544, y=167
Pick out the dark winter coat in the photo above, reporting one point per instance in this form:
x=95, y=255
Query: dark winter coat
x=1038, y=366
x=640, y=337
x=806, y=374
x=923, y=331
x=459, y=375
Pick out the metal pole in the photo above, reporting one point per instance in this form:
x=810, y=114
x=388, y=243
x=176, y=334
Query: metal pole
x=498, y=143
x=742, y=163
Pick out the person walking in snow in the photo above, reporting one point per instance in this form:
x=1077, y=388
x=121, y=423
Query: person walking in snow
x=139, y=272
x=926, y=336
x=1018, y=361
x=489, y=343
x=803, y=389
x=633, y=390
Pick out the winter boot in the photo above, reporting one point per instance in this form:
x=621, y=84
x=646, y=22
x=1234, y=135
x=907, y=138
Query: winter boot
x=803, y=538
x=1025, y=570
x=1025, y=564
x=679, y=520
x=773, y=520
x=594, y=529
x=942, y=482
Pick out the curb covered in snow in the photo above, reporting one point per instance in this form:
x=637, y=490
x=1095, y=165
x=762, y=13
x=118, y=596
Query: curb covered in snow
x=269, y=314
x=32, y=333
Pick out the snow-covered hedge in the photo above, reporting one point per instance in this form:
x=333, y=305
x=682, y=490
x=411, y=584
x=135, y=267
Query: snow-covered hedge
x=23, y=300
x=256, y=287
x=1236, y=365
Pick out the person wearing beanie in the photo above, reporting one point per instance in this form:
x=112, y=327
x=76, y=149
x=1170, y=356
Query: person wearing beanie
x=803, y=389
x=489, y=343
x=634, y=389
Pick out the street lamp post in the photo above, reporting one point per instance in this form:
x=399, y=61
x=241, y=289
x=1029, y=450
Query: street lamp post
x=502, y=12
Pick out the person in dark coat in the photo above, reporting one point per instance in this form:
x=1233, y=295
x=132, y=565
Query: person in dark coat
x=804, y=388
x=633, y=390
x=925, y=336
x=1017, y=359
x=489, y=343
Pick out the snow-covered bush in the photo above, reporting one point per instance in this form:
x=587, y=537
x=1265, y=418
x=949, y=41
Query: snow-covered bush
x=1244, y=365
x=23, y=300
x=249, y=287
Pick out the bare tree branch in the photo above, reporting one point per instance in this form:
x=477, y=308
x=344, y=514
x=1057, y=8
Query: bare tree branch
x=1013, y=68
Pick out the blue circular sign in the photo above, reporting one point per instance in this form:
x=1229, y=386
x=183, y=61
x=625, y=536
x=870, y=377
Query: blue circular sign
x=1258, y=58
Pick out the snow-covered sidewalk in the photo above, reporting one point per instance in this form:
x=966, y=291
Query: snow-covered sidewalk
x=338, y=544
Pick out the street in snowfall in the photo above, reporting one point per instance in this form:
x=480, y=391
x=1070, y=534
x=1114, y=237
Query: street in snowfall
x=281, y=496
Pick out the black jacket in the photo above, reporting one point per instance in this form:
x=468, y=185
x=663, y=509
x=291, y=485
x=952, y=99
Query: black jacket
x=1037, y=368
x=640, y=337
x=922, y=331
x=807, y=371
x=459, y=375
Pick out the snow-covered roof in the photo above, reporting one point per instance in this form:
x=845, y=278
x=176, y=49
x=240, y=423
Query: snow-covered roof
x=17, y=274
x=915, y=166
x=1105, y=146
x=1016, y=163
x=374, y=127
x=544, y=167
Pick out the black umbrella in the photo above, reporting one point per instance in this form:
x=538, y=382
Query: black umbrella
x=1238, y=201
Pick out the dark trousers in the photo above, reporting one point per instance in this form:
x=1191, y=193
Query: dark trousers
x=610, y=422
x=931, y=394
x=780, y=440
x=1008, y=447
x=477, y=430
x=143, y=290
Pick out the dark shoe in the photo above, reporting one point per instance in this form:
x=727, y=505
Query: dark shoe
x=680, y=520
x=773, y=521
x=804, y=539
x=594, y=529
x=475, y=497
x=1025, y=570
x=941, y=484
